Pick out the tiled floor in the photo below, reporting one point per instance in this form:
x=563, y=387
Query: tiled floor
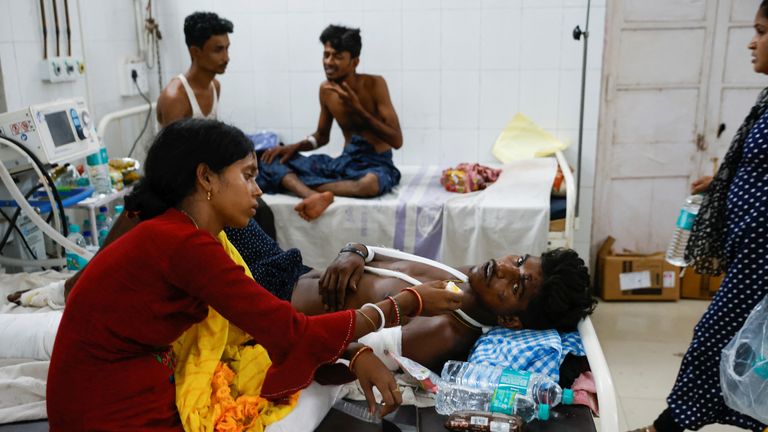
x=644, y=344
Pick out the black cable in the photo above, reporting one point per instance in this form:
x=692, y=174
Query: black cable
x=149, y=113
x=21, y=235
x=51, y=185
x=15, y=217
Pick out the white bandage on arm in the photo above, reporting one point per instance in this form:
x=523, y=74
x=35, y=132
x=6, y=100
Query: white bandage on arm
x=312, y=140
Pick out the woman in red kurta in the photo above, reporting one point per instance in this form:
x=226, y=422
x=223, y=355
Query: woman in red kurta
x=112, y=368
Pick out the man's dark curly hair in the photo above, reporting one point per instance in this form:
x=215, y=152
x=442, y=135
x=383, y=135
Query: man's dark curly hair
x=343, y=39
x=200, y=26
x=564, y=298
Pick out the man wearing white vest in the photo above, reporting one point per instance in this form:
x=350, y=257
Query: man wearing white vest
x=195, y=93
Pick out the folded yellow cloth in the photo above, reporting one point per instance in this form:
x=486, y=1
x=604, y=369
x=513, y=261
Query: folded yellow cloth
x=218, y=380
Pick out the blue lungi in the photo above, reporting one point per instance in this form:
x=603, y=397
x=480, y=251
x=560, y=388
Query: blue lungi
x=358, y=159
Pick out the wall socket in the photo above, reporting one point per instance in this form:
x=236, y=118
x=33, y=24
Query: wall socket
x=62, y=69
x=127, y=87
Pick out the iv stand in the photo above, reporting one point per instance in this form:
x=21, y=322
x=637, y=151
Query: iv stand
x=577, y=34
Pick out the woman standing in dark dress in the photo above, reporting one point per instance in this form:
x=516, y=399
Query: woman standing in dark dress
x=730, y=234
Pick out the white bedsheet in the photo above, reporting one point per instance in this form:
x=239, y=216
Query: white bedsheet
x=420, y=217
x=23, y=380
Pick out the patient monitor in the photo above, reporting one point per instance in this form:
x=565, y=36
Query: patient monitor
x=56, y=132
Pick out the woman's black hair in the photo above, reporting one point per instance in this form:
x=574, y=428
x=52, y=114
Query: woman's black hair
x=564, y=298
x=170, y=170
x=763, y=9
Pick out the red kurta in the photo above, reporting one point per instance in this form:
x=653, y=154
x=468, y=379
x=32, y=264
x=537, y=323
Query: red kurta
x=110, y=369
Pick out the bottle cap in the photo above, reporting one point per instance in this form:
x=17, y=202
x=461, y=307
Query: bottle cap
x=103, y=209
x=93, y=159
x=74, y=228
x=119, y=209
x=101, y=217
x=567, y=397
x=543, y=412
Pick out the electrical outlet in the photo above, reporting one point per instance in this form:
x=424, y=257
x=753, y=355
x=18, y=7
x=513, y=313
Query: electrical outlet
x=127, y=87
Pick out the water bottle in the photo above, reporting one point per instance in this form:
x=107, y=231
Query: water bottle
x=88, y=237
x=98, y=171
x=74, y=261
x=676, y=249
x=456, y=397
x=103, y=224
x=539, y=388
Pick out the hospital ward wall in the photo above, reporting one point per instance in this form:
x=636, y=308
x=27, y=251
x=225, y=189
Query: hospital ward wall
x=103, y=34
x=457, y=70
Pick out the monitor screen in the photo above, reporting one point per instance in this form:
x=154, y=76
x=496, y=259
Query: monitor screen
x=61, y=131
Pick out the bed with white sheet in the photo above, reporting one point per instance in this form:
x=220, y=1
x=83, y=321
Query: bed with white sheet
x=420, y=216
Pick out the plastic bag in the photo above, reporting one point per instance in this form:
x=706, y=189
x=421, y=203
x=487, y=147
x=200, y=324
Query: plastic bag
x=264, y=140
x=744, y=366
x=468, y=177
x=523, y=139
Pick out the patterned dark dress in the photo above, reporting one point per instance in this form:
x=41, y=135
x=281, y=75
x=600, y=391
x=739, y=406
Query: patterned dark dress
x=696, y=399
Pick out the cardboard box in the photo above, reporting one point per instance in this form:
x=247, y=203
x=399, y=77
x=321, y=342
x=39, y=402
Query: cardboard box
x=631, y=276
x=697, y=286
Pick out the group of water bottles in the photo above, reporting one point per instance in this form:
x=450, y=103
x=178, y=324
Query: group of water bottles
x=85, y=238
x=479, y=387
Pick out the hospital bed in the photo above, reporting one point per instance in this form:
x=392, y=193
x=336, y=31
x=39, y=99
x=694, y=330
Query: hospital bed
x=416, y=220
x=420, y=216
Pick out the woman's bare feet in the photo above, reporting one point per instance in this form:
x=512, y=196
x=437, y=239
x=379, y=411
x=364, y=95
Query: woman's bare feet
x=313, y=206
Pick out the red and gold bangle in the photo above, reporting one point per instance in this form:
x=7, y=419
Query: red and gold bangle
x=418, y=297
x=357, y=354
x=396, y=308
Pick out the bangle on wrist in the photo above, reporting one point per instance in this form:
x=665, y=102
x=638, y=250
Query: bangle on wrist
x=396, y=310
x=312, y=140
x=381, y=314
x=354, y=250
x=373, y=324
x=418, y=297
x=357, y=354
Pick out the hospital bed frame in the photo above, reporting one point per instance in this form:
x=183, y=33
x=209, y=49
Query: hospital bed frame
x=606, y=395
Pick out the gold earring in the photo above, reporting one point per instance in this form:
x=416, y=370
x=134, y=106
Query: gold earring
x=209, y=195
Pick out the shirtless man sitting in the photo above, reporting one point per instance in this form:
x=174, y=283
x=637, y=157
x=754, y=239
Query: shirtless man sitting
x=361, y=106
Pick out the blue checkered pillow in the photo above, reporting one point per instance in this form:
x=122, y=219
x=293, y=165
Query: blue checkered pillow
x=539, y=351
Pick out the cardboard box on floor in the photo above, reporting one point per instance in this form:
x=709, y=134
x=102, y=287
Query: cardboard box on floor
x=630, y=276
x=697, y=286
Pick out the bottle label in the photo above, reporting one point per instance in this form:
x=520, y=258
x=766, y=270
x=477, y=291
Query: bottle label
x=685, y=221
x=515, y=380
x=503, y=401
x=75, y=261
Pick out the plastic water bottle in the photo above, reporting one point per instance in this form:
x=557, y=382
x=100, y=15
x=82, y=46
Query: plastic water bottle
x=103, y=224
x=676, y=249
x=455, y=397
x=98, y=171
x=74, y=261
x=539, y=388
x=88, y=237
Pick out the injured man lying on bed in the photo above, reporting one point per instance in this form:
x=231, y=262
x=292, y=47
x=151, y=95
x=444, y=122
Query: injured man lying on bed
x=514, y=291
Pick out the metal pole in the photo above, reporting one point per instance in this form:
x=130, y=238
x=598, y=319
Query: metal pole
x=577, y=33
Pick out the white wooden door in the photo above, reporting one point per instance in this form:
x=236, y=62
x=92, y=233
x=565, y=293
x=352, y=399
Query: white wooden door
x=733, y=84
x=654, y=132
